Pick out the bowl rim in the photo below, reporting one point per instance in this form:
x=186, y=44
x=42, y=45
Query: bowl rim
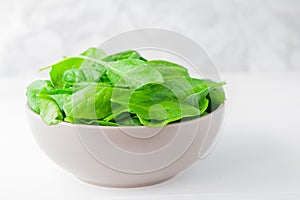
x=63, y=123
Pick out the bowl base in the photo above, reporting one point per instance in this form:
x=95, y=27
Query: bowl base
x=124, y=185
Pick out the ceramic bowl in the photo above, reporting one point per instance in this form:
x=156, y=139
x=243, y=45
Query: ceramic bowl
x=127, y=156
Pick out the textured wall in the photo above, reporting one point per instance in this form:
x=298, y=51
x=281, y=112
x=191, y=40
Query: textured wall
x=257, y=35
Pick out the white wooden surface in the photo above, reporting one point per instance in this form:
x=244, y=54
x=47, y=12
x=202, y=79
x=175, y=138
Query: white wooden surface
x=257, y=157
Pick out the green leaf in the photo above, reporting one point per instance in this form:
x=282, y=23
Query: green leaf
x=200, y=99
x=94, y=53
x=87, y=59
x=50, y=112
x=58, y=70
x=155, y=104
x=130, y=121
x=33, y=90
x=166, y=112
x=199, y=85
x=216, y=97
x=132, y=73
x=181, y=87
x=118, y=112
x=92, y=73
x=122, y=89
x=92, y=102
x=130, y=54
x=89, y=121
x=203, y=105
x=58, y=98
x=122, y=70
x=168, y=69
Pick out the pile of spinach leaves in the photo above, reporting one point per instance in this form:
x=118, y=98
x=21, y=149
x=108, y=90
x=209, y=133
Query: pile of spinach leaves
x=122, y=89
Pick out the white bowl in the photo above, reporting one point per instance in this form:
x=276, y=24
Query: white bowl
x=127, y=156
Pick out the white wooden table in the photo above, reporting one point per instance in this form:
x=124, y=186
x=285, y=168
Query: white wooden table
x=257, y=157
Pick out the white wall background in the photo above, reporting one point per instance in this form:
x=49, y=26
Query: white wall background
x=247, y=36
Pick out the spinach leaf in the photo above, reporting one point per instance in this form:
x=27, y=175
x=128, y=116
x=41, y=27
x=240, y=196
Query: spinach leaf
x=168, y=69
x=50, y=112
x=200, y=99
x=130, y=54
x=164, y=113
x=155, y=102
x=89, y=121
x=92, y=73
x=94, y=53
x=119, y=112
x=126, y=73
x=33, y=90
x=130, y=121
x=122, y=89
x=58, y=98
x=58, y=70
x=180, y=87
x=216, y=97
x=92, y=102
x=199, y=85
x=134, y=121
x=132, y=73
